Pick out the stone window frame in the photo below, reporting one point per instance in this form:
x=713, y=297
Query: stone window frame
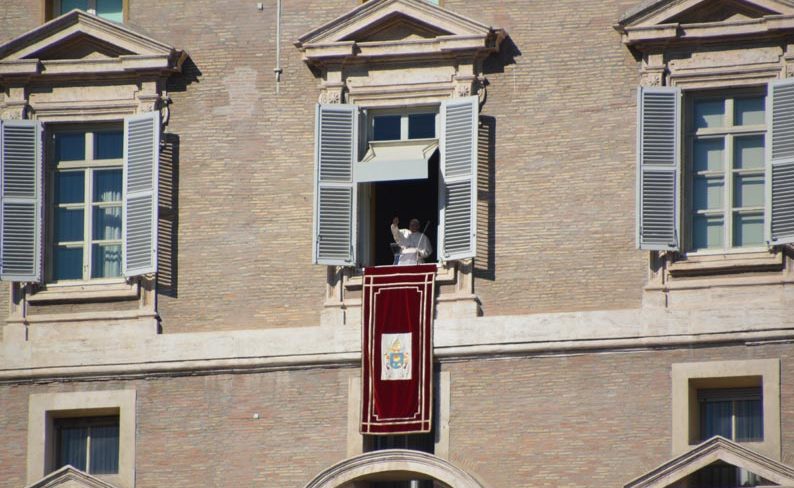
x=688, y=377
x=43, y=408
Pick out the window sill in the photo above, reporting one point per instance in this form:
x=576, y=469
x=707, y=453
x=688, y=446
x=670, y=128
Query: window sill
x=693, y=265
x=115, y=290
x=445, y=275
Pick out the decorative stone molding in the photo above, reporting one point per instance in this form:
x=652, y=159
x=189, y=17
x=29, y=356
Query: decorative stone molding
x=714, y=449
x=396, y=464
x=82, y=47
x=69, y=477
x=397, y=52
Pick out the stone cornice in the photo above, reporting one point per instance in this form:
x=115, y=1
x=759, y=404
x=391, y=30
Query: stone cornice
x=46, y=353
x=68, y=474
x=20, y=57
x=767, y=26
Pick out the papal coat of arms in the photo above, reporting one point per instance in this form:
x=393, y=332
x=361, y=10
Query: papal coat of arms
x=396, y=354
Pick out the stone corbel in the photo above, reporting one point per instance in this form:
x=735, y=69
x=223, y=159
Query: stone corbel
x=15, y=106
x=653, y=70
x=788, y=61
x=333, y=88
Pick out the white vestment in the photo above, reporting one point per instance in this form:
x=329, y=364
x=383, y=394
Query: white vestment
x=414, y=246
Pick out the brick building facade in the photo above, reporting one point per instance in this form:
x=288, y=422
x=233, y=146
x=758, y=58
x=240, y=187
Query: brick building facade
x=564, y=355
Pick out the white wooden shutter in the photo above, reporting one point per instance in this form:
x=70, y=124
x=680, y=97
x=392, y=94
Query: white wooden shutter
x=780, y=162
x=21, y=170
x=459, y=118
x=141, y=158
x=336, y=152
x=658, y=174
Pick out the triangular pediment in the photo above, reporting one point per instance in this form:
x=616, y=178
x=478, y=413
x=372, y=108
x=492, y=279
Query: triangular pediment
x=663, y=12
x=394, y=20
x=715, y=450
x=69, y=477
x=78, y=36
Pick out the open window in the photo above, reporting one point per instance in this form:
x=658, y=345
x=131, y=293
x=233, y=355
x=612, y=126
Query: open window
x=415, y=163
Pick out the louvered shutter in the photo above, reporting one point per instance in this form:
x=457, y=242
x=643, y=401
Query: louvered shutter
x=780, y=162
x=141, y=158
x=658, y=175
x=21, y=167
x=459, y=118
x=336, y=151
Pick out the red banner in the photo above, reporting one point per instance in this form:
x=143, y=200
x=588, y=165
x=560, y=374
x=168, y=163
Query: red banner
x=397, y=349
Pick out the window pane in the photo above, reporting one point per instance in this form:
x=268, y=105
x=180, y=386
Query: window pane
x=69, y=225
x=387, y=128
x=749, y=420
x=748, y=191
x=708, y=154
x=707, y=232
x=106, y=261
x=107, y=223
x=748, y=111
x=748, y=230
x=707, y=193
x=107, y=185
x=109, y=145
x=110, y=9
x=70, y=147
x=421, y=126
x=68, y=263
x=716, y=419
x=72, y=447
x=104, y=449
x=69, y=187
x=68, y=5
x=748, y=152
x=709, y=113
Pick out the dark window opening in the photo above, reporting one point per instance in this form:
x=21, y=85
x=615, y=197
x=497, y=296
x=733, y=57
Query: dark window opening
x=406, y=200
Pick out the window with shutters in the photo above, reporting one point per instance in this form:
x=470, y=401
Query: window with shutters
x=95, y=216
x=84, y=176
x=725, y=171
x=373, y=165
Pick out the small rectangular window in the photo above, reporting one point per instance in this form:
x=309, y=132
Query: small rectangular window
x=733, y=413
x=90, y=444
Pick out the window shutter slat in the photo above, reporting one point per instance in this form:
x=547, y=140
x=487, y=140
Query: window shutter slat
x=336, y=151
x=141, y=158
x=459, y=118
x=780, y=162
x=659, y=166
x=21, y=170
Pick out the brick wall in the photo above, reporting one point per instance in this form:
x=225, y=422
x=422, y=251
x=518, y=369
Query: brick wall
x=561, y=98
x=585, y=420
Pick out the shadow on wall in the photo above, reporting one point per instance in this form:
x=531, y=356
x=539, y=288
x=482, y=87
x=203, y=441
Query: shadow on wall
x=168, y=220
x=485, y=262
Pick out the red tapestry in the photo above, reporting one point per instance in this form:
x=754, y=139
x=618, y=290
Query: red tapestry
x=397, y=349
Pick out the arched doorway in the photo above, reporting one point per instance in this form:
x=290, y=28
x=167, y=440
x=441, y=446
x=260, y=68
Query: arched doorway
x=392, y=465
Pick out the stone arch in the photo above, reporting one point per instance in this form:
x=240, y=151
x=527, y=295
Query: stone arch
x=393, y=462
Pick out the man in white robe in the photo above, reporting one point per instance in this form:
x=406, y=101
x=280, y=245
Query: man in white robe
x=414, y=245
